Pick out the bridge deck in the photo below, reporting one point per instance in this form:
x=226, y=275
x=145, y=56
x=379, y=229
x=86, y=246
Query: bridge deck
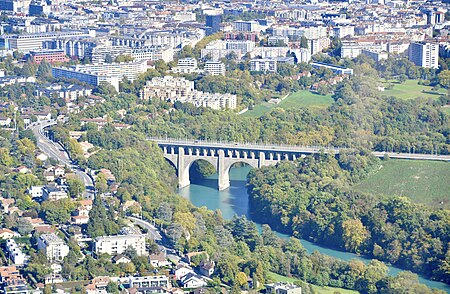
x=286, y=148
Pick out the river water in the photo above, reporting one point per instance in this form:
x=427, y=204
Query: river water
x=234, y=201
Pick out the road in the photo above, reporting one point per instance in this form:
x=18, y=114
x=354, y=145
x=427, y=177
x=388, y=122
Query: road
x=285, y=148
x=57, y=152
x=152, y=231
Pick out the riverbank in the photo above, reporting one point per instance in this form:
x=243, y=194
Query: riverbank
x=234, y=201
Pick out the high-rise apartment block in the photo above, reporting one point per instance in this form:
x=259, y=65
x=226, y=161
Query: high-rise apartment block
x=424, y=54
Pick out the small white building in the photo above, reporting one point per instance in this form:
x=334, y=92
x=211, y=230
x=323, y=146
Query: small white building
x=15, y=253
x=182, y=271
x=54, y=247
x=36, y=191
x=5, y=121
x=192, y=280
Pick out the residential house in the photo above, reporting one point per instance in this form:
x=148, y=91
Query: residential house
x=283, y=288
x=44, y=229
x=36, y=191
x=159, y=260
x=192, y=280
x=182, y=270
x=121, y=259
x=7, y=203
x=206, y=267
x=79, y=219
x=5, y=121
x=6, y=234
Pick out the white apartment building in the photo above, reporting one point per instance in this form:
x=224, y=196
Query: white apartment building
x=28, y=42
x=215, y=68
x=110, y=73
x=175, y=89
x=184, y=16
x=293, y=33
x=424, y=54
x=186, y=66
x=302, y=55
x=343, y=31
x=114, y=245
x=318, y=45
x=54, y=247
x=217, y=54
x=244, y=46
x=264, y=65
x=354, y=49
x=15, y=253
x=53, y=193
x=218, y=49
x=269, y=52
x=153, y=53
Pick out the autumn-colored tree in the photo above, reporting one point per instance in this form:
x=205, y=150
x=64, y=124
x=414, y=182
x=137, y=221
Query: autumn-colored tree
x=354, y=234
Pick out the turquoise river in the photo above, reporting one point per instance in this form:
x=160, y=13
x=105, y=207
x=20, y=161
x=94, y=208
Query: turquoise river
x=235, y=201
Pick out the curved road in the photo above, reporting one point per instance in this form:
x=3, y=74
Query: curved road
x=55, y=151
x=152, y=231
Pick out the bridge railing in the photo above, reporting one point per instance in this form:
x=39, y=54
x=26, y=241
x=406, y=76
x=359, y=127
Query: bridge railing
x=289, y=148
x=246, y=145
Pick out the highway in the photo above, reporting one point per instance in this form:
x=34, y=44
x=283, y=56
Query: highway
x=57, y=152
x=286, y=148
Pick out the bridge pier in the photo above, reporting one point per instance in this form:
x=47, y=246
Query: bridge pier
x=183, y=172
x=182, y=157
x=222, y=170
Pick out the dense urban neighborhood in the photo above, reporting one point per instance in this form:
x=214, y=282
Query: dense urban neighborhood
x=287, y=147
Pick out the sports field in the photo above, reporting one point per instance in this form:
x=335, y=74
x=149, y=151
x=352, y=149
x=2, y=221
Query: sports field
x=410, y=89
x=298, y=99
x=425, y=182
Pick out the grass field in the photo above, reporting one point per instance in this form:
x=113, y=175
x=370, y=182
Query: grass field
x=411, y=89
x=298, y=99
x=320, y=290
x=425, y=182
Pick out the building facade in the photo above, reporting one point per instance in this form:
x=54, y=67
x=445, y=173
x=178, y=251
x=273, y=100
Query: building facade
x=114, y=245
x=54, y=247
x=424, y=54
x=214, y=68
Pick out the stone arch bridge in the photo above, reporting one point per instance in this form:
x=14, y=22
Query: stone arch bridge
x=222, y=155
x=182, y=154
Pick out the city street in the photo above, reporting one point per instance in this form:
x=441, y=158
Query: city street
x=57, y=152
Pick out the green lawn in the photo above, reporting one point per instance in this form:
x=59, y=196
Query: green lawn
x=426, y=182
x=411, y=89
x=320, y=290
x=303, y=98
